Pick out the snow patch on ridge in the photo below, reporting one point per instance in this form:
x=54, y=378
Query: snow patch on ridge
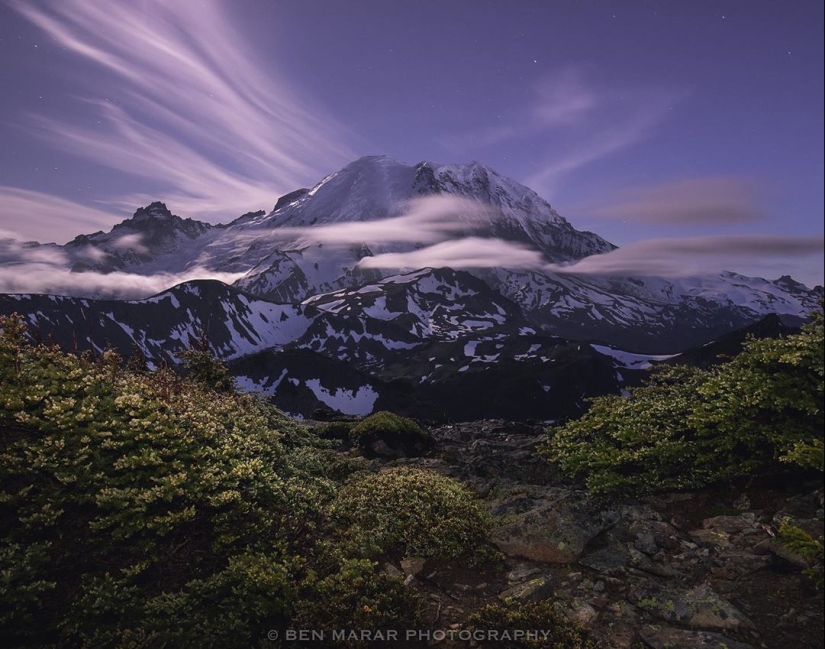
x=348, y=402
x=630, y=360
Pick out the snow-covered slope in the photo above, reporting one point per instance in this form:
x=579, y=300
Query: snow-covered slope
x=152, y=234
x=279, y=257
x=236, y=324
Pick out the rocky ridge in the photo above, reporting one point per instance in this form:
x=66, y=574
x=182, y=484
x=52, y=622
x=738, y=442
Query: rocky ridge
x=680, y=570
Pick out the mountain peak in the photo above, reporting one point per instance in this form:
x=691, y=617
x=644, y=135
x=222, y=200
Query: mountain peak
x=156, y=218
x=156, y=210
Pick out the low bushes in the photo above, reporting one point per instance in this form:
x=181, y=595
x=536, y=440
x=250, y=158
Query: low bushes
x=689, y=428
x=412, y=512
x=549, y=628
x=385, y=433
x=143, y=509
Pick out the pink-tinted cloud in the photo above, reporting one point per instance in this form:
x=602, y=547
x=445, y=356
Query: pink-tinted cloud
x=469, y=252
x=203, y=117
x=16, y=253
x=424, y=220
x=36, y=216
x=714, y=200
x=48, y=278
x=32, y=268
x=132, y=242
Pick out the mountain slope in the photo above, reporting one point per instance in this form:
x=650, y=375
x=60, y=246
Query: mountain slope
x=162, y=325
x=281, y=257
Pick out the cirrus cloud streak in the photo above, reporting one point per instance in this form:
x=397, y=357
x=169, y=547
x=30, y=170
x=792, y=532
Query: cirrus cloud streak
x=203, y=119
x=43, y=217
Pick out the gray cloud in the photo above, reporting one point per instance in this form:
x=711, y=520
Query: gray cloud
x=715, y=200
x=693, y=255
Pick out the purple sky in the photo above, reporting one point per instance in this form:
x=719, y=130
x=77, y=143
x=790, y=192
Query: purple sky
x=637, y=120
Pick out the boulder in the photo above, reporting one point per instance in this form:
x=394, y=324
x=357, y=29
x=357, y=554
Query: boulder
x=555, y=529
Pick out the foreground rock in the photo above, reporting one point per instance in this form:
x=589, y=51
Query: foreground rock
x=555, y=528
x=683, y=571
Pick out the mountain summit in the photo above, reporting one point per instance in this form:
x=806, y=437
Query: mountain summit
x=316, y=242
x=378, y=187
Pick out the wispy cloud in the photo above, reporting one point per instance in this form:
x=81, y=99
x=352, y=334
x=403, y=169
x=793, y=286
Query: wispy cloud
x=131, y=241
x=203, y=118
x=44, y=270
x=43, y=217
x=423, y=220
x=665, y=257
x=578, y=120
x=622, y=121
x=469, y=252
x=684, y=256
x=713, y=200
x=127, y=286
x=15, y=253
x=564, y=99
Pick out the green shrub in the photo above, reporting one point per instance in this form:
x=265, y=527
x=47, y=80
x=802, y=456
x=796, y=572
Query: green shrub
x=334, y=430
x=413, y=512
x=199, y=364
x=356, y=596
x=541, y=617
x=149, y=510
x=800, y=542
x=400, y=434
x=689, y=427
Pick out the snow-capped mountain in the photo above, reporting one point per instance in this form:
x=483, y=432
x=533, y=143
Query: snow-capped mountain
x=435, y=343
x=309, y=321
x=151, y=233
x=281, y=255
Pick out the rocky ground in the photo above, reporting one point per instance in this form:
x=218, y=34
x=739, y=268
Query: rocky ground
x=680, y=570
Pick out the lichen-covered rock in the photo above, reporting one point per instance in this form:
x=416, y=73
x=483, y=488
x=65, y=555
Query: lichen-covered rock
x=533, y=590
x=556, y=529
x=659, y=637
x=699, y=607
